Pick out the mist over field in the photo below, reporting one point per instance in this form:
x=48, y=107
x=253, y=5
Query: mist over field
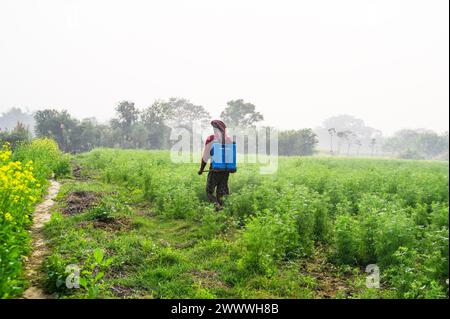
x=300, y=63
x=357, y=78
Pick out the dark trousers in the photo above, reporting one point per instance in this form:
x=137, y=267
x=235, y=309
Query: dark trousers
x=217, y=183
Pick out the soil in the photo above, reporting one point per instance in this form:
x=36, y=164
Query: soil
x=77, y=202
x=329, y=283
x=76, y=172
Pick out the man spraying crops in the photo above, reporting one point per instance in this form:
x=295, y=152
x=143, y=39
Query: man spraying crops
x=222, y=152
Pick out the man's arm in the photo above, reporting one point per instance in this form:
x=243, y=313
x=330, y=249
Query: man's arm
x=206, y=155
x=202, y=167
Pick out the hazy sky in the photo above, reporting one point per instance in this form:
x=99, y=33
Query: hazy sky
x=299, y=62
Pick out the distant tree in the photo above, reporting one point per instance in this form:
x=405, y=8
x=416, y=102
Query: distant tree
x=445, y=145
x=350, y=138
x=139, y=136
x=391, y=145
x=181, y=112
x=297, y=142
x=18, y=135
x=331, y=131
x=417, y=144
x=154, y=120
x=240, y=114
x=411, y=154
x=358, y=144
x=106, y=138
x=56, y=125
x=127, y=116
x=343, y=137
x=431, y=144
x=9, y=119
x=86, y=136
x=127, y=113
x=373, y=142
x=343, y=123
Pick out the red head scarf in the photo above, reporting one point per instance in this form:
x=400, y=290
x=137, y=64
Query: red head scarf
x=221, y=127
x=219, y=124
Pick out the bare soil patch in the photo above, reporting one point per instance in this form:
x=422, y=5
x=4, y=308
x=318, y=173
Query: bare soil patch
x=329, y=281
x=79, y=201
x=122, y=291
x=76, y=172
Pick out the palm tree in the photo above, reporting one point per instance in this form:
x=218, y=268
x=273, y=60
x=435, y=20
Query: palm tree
x=350, y=138
x=331, y=131
x=343, y=136
x=372, y=145
x=359, y=144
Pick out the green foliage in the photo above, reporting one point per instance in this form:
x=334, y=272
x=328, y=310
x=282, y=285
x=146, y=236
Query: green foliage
x=56, y=125
x=268, y=237
x=439, y=215
x=395, y=230
x=20, y=134
x=413, y=282
x=93, y=272
x=46, y=156
x=300, y=142
x=417, y=144
x=240, y=114
x=54, y=268
x=361, y=211
x=214, y=223
x=23, y=180
x=348, y=241
x=108, y=209
x=88, y=277
x=62, y=167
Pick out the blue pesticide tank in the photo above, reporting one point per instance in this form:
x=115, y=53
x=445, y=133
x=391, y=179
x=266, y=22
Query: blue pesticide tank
x=223, y=157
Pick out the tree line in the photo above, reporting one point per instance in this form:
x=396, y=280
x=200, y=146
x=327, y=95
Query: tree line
x=150, y=127
x=147, y=128
x=350, y=136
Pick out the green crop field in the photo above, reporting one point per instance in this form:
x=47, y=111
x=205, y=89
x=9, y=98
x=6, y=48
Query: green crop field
x=308, y=231
x=133, y=224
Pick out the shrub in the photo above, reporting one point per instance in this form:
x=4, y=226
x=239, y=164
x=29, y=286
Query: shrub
x=268, y=237
x=47, y=157
x=439, y=215
x=411, y=281
x=395, y=230
x=108, y=209
x=19, y=191
x=214, y=223
x=348, y=241
x=22, y=181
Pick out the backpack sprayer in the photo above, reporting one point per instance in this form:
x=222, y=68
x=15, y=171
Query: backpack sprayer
x=223, y=158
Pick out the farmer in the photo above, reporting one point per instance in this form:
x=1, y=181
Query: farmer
x=217, y=180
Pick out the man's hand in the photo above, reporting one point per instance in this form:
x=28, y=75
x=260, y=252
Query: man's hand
x=202, y=167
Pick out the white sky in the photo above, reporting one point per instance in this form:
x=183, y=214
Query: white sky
x=299, y=62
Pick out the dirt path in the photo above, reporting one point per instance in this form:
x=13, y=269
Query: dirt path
x=39, y=250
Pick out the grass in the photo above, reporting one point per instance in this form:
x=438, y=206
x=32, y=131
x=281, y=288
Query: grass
x=306, y=232
x=159, y=257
